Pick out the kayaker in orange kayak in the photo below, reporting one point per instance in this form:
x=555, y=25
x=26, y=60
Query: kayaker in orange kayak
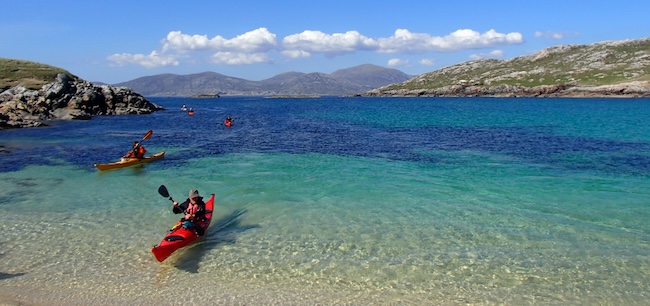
x=194, y=210
x=137, y=151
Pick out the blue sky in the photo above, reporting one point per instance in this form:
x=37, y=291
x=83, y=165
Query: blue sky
x=117, y=41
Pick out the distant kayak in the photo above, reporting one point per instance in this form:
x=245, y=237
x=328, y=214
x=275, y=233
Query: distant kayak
x=181, y=237
x=129, y=162
x=227, y=123
x=191, y=113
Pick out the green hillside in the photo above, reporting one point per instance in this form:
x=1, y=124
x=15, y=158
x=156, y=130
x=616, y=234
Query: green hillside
x=31, y=75
x=604, y=63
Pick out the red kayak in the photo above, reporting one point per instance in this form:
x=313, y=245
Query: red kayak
x=228, y=123
x=181, y=236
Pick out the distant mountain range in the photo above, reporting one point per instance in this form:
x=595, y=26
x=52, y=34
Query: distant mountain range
x=350, y=81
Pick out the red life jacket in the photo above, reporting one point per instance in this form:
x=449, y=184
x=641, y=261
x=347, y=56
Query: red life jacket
x=192, y=209
x=140, y=152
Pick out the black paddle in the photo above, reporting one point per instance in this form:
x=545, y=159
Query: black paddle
x=163, y=192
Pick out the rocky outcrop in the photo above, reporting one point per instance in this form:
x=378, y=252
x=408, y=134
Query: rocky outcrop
x=68, y=98
x=624, y=90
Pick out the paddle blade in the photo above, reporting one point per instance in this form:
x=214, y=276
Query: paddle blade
x=146, y=136
x=163, y=191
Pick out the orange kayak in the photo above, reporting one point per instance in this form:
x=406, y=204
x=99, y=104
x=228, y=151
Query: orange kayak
x=129, y=162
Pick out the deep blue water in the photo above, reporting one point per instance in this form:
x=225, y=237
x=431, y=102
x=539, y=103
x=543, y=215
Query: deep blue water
x=554, y=132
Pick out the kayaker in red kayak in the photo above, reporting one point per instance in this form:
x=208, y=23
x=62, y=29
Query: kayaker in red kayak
x=137, y=151
x=180, y=237
x=193, y=208
x=228, y=121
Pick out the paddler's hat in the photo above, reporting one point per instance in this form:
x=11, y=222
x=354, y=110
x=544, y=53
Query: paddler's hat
x=193, y=194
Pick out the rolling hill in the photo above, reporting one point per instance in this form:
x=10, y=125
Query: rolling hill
x=612, y=68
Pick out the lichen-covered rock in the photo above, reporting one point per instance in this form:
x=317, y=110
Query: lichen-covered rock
x=637, y=89
x=605, y=69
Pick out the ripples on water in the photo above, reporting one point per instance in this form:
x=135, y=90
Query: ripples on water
x=336, y=128
x=341, y=201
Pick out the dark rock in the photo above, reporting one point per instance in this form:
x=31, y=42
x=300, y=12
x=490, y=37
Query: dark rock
x=68, y=98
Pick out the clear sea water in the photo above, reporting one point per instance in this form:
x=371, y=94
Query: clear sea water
x=337, y=201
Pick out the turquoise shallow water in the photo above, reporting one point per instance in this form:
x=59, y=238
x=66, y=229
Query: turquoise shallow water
x=338, y=201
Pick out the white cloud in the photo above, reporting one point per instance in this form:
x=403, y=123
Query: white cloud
x=491, y=54
x=406, y=41
x=309, y=42
x=393, y=62
x=152, y=60
x=554, y=35
x=427, y=62
x=259, y=40
x=296, y=53
x=256, y=45
x=237, y=58
x=496, y=53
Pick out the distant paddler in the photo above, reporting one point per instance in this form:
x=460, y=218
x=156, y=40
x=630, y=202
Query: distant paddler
x=228, y=122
